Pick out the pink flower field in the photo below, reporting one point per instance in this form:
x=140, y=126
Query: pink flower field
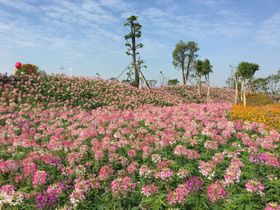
x=186, y=156
x=48, y=91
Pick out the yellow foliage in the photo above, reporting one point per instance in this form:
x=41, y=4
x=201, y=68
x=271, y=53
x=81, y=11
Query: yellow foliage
x=267, y=114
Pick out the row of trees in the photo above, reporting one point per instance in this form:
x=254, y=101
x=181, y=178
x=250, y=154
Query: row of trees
x=184, y=58
x=242, y=79
x=267, y=85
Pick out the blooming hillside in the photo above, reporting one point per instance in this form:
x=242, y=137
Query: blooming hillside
x=56, y=91
x=188, y=156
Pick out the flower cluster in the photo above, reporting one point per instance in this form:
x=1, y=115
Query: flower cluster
x=149, y=190
x=122, y=185
x=216, y=192
x=178, y=196
x=233, y=172
x=9, y=196
x=255, y=187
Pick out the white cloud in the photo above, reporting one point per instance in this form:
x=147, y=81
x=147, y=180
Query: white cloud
x=269, y=31
x=62, y=26
x=18, y=4
x=116, y=4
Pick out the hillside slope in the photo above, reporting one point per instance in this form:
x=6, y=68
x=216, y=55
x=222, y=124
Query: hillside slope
x=87, y=93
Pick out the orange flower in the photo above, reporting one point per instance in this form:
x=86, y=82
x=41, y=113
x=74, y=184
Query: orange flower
x=268, y=114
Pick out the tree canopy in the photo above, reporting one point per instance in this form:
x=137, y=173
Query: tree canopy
x=184, y=56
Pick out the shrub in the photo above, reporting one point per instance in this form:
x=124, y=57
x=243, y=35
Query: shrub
x=258, y=99
x=25, y=69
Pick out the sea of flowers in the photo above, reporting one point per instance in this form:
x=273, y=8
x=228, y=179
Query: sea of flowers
x=268, y=114
x=188, y=156
x=88, y=93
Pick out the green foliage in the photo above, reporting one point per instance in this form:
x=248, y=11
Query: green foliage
x=206, y=68
x=259, y=85
x=173, y=82
x=203, y=68
x=184, y=56
x=27, y=69
x=133, y=46
x=247, y=70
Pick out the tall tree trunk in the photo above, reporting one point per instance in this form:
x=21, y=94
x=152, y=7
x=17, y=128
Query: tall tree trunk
x=184, y=78
x=208, y=90
x=241, y=91
x=244, y=94
x=183, y=72
x=236, y=92
x=199, y=85
x=135, y=65
x=187, y=71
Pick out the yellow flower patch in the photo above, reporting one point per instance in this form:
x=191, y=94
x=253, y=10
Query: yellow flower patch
x=267, y=114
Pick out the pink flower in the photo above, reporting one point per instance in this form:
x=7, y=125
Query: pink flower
x=216, y=191
x=8, y=165
x=8, y=188
x=272, y=206
x=180, y=150
x=254, y=186
x=105, y=172
x=192, y=154
x=80, y=188
x=269, y=159
x=18, y=65
x=145, y=171
x=39, y=178
x=122, y=185
x=178, y=196
x=148, y=190
x=193, y=183
x=29, y=167
x=233, y=172
x=164, y=174
x=207, y=168
x=132, y=167
x=132, y=153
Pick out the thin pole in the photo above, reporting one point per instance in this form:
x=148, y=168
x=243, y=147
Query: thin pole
x=145, y=79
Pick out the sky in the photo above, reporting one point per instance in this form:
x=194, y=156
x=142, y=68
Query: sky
x=87, y=36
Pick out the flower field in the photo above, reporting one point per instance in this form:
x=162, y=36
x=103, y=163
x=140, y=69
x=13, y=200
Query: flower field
x=188, y=156
x=267, y=114
x=50, y=91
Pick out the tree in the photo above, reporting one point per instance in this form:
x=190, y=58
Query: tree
x=246, y=71
x=273, y=82
x=173, y=82
x=206, y=70
x=233, y=81
x=184, y=56
x=133, y=46
x=199, y=74
x=260, y=85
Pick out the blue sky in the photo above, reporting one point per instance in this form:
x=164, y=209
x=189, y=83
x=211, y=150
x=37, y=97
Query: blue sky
x=87, y=35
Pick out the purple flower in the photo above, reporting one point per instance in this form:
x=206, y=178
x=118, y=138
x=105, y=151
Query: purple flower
x=45, y=200
x=193, y=183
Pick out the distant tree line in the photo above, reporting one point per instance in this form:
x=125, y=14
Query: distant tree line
x=185, y=58
x=242, y=80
